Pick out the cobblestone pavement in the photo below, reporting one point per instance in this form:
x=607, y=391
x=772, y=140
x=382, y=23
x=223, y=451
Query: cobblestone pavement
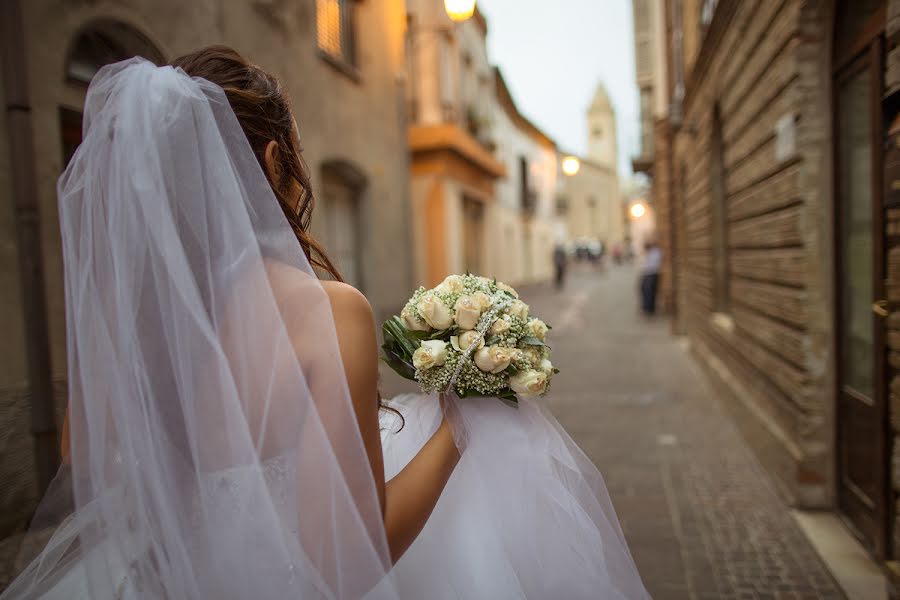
x=700, y=514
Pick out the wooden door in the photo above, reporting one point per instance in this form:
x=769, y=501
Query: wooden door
x=861, y=412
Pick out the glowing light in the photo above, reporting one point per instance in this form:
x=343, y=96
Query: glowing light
x=459, y=10
x=571, y=165
x=638, y=210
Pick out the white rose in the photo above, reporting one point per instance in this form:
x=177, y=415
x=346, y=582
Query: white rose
x=529, y=383
x=533, y=354
x=546, y=366
x=494, y=359
x=537, y=328
x=483, y=300
x=411, y=322
x=435, y=312
x=465, y=339
x=452, y=284
x=518, y=309
x=468, y=312
x=505, y=288
x=499, y=327
x=431, y=353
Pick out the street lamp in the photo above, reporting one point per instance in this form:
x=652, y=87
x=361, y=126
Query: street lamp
x=638, y=210
x=459, y=10
x=571, y=165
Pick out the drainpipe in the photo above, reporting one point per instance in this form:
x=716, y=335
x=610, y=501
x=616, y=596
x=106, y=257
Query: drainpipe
x=28, y=231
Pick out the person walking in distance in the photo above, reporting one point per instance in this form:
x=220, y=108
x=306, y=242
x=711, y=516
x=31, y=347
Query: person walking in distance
x=650, y=276
x=560, y=261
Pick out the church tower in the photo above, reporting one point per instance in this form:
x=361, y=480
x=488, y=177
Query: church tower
x=601, y=117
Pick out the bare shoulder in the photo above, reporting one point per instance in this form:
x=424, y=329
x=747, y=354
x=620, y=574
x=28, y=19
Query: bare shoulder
x=348, y=303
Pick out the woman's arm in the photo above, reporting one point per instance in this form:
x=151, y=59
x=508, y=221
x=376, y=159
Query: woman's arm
x=408, y=499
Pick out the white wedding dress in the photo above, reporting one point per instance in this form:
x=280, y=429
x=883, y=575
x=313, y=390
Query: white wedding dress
x=524, y=515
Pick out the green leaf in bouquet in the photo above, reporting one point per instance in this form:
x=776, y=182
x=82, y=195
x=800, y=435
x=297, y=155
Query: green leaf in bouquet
x=492, y=340
x=555, y=371
x=400, y=366
x=396, y=339
x=512, y=370
x=509, y=397
x=530, y=340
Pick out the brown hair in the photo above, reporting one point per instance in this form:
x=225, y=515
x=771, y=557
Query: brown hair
x=264, y=112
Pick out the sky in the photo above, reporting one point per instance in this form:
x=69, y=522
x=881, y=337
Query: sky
x=553, y=53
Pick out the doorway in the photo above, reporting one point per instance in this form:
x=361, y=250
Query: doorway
x=862, y=441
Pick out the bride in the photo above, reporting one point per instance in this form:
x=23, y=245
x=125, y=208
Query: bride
x=223, y=437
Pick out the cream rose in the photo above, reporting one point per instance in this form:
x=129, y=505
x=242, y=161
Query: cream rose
x=483, y=300
x=529, y=383
x=493, y=359
x=509, y=290
x=518, y=309
x=411, y=322
x=533, y=354
x=546, y=366
x=452, y=284
x=468, y=312
x=537, y=328
x=499, y=327
x=435, y=312
x=465, y=339
x=431, y=353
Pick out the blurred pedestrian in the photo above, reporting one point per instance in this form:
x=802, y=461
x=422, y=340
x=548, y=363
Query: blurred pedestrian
x=650, y=276
x=560, y=262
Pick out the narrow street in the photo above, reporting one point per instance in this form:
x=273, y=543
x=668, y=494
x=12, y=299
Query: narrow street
x=701, y=516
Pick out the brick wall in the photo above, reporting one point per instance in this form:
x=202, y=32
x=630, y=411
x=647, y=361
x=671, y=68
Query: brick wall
x=761, y=64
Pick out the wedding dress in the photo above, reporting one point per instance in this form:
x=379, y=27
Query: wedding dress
x=524, y=515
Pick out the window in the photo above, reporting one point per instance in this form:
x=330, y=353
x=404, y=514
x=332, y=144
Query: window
x=527, y=197
x=340, y=219
x=70, y=133
x=719, y=210
x=335, y=26
x=473, y=235
x=104, y=42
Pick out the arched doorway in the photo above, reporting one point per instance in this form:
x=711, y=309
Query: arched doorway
x=862, y=442
x=100, y=42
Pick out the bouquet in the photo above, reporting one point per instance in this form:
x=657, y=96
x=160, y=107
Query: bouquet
x=472, y=336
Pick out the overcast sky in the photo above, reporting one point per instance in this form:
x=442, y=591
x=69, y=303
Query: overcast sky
x=553, y=53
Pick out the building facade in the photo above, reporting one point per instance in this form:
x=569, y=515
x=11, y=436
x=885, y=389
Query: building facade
x=651, y=44
x=453, y=169
x=782, y=185
x=341, y=62
x=524, y=224
x=483, y=177
x=591, y=198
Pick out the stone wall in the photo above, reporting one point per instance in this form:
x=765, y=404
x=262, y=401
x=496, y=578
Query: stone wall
x=760, y=66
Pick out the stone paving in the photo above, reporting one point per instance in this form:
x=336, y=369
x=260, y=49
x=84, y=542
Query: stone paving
x=700, y=514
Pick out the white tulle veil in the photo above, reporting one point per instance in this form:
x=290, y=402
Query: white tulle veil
x=214, y=447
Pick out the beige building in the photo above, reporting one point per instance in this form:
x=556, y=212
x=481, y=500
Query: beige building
x=341, y=61
x=591, y=198
x=453, y=167
x=524, y=223
x=483, y=176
